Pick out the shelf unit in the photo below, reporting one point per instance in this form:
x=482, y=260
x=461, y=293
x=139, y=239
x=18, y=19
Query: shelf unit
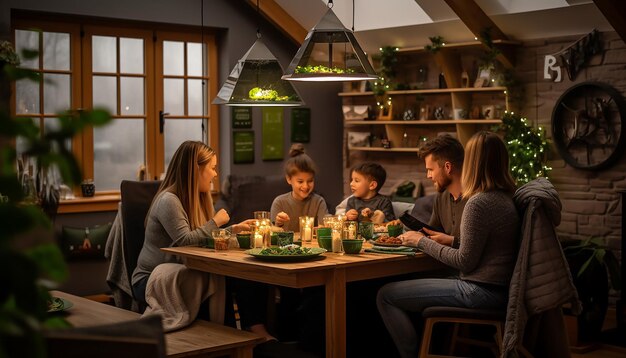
x=460, y=96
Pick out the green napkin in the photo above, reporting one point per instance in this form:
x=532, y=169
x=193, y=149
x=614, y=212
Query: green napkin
x=403, y=250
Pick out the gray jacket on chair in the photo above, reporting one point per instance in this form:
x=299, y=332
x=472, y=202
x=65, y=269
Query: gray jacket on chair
x=541, y=281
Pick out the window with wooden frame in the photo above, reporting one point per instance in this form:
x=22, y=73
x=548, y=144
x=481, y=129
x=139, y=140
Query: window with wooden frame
x=154, y=80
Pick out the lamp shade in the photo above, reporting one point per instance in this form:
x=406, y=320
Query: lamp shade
x=330, y=52
x=256, y=81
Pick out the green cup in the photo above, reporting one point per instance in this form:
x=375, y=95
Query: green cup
x=324, y=231
x=325, y=242
x=352, y=246
x=366, y=228
x=244, y=241
x=394, y=230
x=283, y=238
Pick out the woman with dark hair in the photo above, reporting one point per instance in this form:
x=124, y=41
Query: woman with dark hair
x=486, y=255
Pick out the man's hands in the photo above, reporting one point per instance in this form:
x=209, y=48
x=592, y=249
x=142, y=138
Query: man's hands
x=411, y=238
x=439, y=237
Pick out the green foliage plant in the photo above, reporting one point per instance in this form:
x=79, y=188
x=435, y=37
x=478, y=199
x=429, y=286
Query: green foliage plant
x=596, y=254
x=30, y=262
x=436, y=43
x=527, y=147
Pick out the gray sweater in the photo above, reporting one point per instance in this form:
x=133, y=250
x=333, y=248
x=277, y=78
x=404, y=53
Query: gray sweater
x=489, y=236
x=313, y=205
x=167, y=226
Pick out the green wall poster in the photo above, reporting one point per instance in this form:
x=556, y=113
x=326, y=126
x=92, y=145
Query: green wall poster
x=242, y=117
x=243, y=147
x=272, y=138
x=301, y=125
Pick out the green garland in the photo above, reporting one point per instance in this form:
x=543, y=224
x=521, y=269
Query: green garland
x=527, y=148
x=437, y=43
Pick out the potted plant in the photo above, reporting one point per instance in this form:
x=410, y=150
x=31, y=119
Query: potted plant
x=30, y=262
x=594, y=268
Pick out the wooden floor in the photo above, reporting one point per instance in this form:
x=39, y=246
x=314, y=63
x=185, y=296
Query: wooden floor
x=604, y=350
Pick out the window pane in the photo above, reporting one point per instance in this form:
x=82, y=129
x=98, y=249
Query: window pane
x=118, y=152
x=53, y=124
x=173, y=58
x=174, y=96
x=194, y=59
x=104, y=54
x=21, y=144
x=195, y=96
x=177, y=131
x=131, y=55
x=56, y=51
x=27, y=40
x=131, y=93
x=26, y=97
x=56, y=93
x=105, y=93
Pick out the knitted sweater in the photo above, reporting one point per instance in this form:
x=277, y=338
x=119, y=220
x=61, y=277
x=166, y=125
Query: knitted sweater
x=313, y=205
x=378, y=202
x=167, y=226
x=489, y=237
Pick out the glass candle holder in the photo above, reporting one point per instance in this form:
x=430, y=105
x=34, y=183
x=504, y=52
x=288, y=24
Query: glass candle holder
x=306, y=228
x=262, y=233
x=262, y=215
x=349, y=230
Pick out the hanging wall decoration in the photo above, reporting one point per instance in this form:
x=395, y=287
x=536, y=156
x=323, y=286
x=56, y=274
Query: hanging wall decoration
x=301, y=125
x=242, y=117
x=243, y=147
x=273, y=135
x=573, y=57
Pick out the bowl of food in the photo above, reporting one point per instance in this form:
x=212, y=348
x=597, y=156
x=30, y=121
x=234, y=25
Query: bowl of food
x=352, y=246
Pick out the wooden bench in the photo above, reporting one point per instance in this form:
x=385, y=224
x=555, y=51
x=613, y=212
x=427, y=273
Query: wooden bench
x=201, y=339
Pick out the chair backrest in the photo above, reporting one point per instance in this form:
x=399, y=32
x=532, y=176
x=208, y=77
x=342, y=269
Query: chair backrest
x=139, y=338
x=136, y=199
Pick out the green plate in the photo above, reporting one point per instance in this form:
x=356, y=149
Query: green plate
x=314, y=253
x=59, y=304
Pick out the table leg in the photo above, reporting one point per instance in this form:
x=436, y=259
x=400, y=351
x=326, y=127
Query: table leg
x=336, y=314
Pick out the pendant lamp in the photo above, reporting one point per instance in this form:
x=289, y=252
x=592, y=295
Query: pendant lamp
x=330, y=52
x=256, y=81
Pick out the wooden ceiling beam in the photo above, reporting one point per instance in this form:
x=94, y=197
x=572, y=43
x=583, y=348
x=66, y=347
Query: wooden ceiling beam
x=281, y=19
x=477, y=21
x=615, y=13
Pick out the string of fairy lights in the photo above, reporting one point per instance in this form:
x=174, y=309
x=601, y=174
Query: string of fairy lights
x=527, y=148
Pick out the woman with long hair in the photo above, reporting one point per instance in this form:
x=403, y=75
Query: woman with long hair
x=486, y=255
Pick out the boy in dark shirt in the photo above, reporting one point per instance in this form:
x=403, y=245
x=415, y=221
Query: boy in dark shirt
x=366, y=203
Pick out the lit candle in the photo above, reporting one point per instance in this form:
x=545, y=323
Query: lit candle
x=336, y=241
x=307, y=235
x=258, y=239
x=351, y=232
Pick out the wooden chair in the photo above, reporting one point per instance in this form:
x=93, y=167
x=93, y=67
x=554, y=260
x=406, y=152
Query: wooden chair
x=459, y=316
x=138, y=338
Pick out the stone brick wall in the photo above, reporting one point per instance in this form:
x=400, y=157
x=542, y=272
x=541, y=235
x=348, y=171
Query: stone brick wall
x=591, y=202
x=591, y=199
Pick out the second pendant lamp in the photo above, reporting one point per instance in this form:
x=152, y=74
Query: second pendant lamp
x=330, y=52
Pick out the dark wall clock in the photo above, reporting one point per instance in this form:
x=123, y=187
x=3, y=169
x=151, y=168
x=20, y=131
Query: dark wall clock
x=587, y=125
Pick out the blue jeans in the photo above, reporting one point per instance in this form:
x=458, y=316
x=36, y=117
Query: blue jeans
x=397, y=300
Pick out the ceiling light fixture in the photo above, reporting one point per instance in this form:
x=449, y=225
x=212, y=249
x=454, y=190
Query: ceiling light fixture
x=330, y=52
x=256, y=80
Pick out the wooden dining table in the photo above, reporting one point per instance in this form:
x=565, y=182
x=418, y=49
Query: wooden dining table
x=331, y=270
